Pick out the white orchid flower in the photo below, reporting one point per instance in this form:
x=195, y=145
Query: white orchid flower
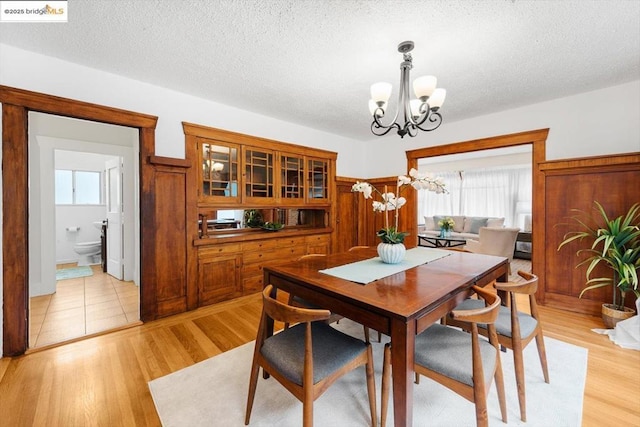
x=363, y=187
x=378, y=206
x=403, y=180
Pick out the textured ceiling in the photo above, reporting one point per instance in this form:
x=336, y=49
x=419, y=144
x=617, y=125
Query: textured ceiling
x=312, y=62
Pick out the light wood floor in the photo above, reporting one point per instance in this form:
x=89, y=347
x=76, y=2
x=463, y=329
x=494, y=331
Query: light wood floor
x=82, y=306
x=103, y=380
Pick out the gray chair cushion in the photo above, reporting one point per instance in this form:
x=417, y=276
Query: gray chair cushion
x=503, y=322
x=331, y=350
x=447, y=350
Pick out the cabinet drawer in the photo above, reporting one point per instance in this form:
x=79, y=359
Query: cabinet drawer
x=291, y=241
x=283, y=254
x=208, y=251
x=260, y=245
x=317, y=239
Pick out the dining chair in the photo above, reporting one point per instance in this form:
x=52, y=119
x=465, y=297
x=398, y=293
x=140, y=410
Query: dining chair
x=307, y=357
x=515, y=328
x=442, y=353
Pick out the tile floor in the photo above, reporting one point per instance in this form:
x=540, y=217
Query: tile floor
x=82, y=306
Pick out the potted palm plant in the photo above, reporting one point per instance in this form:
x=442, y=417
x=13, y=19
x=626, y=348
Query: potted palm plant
x=615, y=242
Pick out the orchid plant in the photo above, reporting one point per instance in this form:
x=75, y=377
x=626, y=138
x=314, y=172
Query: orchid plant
x=390, y=201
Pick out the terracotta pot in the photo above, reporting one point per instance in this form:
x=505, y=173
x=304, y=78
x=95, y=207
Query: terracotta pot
x=611, y=316
x=391, y=253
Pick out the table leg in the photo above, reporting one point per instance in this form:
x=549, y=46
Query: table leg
x=402, y=351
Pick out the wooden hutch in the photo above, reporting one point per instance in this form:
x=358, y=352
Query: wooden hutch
x=236, y=181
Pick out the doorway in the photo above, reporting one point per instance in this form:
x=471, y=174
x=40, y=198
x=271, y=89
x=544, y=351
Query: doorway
x=16, y=104
x=537, y=140
x=68, y=159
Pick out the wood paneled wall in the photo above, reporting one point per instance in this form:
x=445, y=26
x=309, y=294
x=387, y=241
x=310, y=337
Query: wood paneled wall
x=348, y=218
x=167, y=269
x=575, y=184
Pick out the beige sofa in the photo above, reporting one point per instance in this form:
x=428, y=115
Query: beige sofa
x=466, y=227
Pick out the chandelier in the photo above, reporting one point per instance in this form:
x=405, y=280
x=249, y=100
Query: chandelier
x=416, y=114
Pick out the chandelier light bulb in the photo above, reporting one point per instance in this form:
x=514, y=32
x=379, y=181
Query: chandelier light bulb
x=424, y=86
x=380, y=92
x=437, y=99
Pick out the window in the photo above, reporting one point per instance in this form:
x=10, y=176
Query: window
x=496, y=192
x=78, y=187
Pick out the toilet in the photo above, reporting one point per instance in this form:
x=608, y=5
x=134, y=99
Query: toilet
x=89, y=253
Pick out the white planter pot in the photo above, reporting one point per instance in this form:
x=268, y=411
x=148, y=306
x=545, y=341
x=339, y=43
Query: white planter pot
x=391, y=253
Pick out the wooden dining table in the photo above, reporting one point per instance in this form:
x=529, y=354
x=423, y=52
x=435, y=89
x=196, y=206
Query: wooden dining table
x=400, y=305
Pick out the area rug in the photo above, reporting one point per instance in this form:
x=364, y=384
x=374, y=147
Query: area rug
x=73, y=273
x=214, y=393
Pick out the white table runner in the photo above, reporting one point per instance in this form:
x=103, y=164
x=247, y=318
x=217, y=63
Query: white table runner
x=372, y=269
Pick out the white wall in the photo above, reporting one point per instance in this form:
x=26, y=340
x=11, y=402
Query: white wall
x=593, y=123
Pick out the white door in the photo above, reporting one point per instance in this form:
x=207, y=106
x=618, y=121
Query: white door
x=115, y=226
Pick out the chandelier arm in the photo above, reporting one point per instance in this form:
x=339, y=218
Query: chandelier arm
x=379, y=124
x=386, y=129
x=435, y=118
x=424, y=114
x=409, y=128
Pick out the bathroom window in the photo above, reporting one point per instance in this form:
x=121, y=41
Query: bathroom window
x=78, y=187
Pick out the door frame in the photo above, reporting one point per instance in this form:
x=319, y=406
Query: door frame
x=16, y=104
x=537, y=139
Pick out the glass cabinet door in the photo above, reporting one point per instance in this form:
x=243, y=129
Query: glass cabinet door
x=292, y=178
x=258, y=170
x=219, y=171
x=317, y=180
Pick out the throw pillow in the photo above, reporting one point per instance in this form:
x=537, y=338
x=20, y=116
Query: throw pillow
x=459, y=223
x=436, y=220
x=476, y=223
x=468, y=220
x=429, y=224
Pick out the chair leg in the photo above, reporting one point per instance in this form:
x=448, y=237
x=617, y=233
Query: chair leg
x=499, y=379
x=386, y=380
x=518, y=361
x=253, y=382
x=371, y=387
x=543, y=355
x=366, y=334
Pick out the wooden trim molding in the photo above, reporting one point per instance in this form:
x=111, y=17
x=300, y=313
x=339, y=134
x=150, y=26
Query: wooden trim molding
x=16, y=103
x=169, y=161
x=617, y=161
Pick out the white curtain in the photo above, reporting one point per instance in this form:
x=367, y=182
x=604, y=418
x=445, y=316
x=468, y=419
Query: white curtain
x=497, y=192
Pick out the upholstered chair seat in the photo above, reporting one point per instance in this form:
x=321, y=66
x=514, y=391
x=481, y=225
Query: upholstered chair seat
x=447, y=351
x=285, y=351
